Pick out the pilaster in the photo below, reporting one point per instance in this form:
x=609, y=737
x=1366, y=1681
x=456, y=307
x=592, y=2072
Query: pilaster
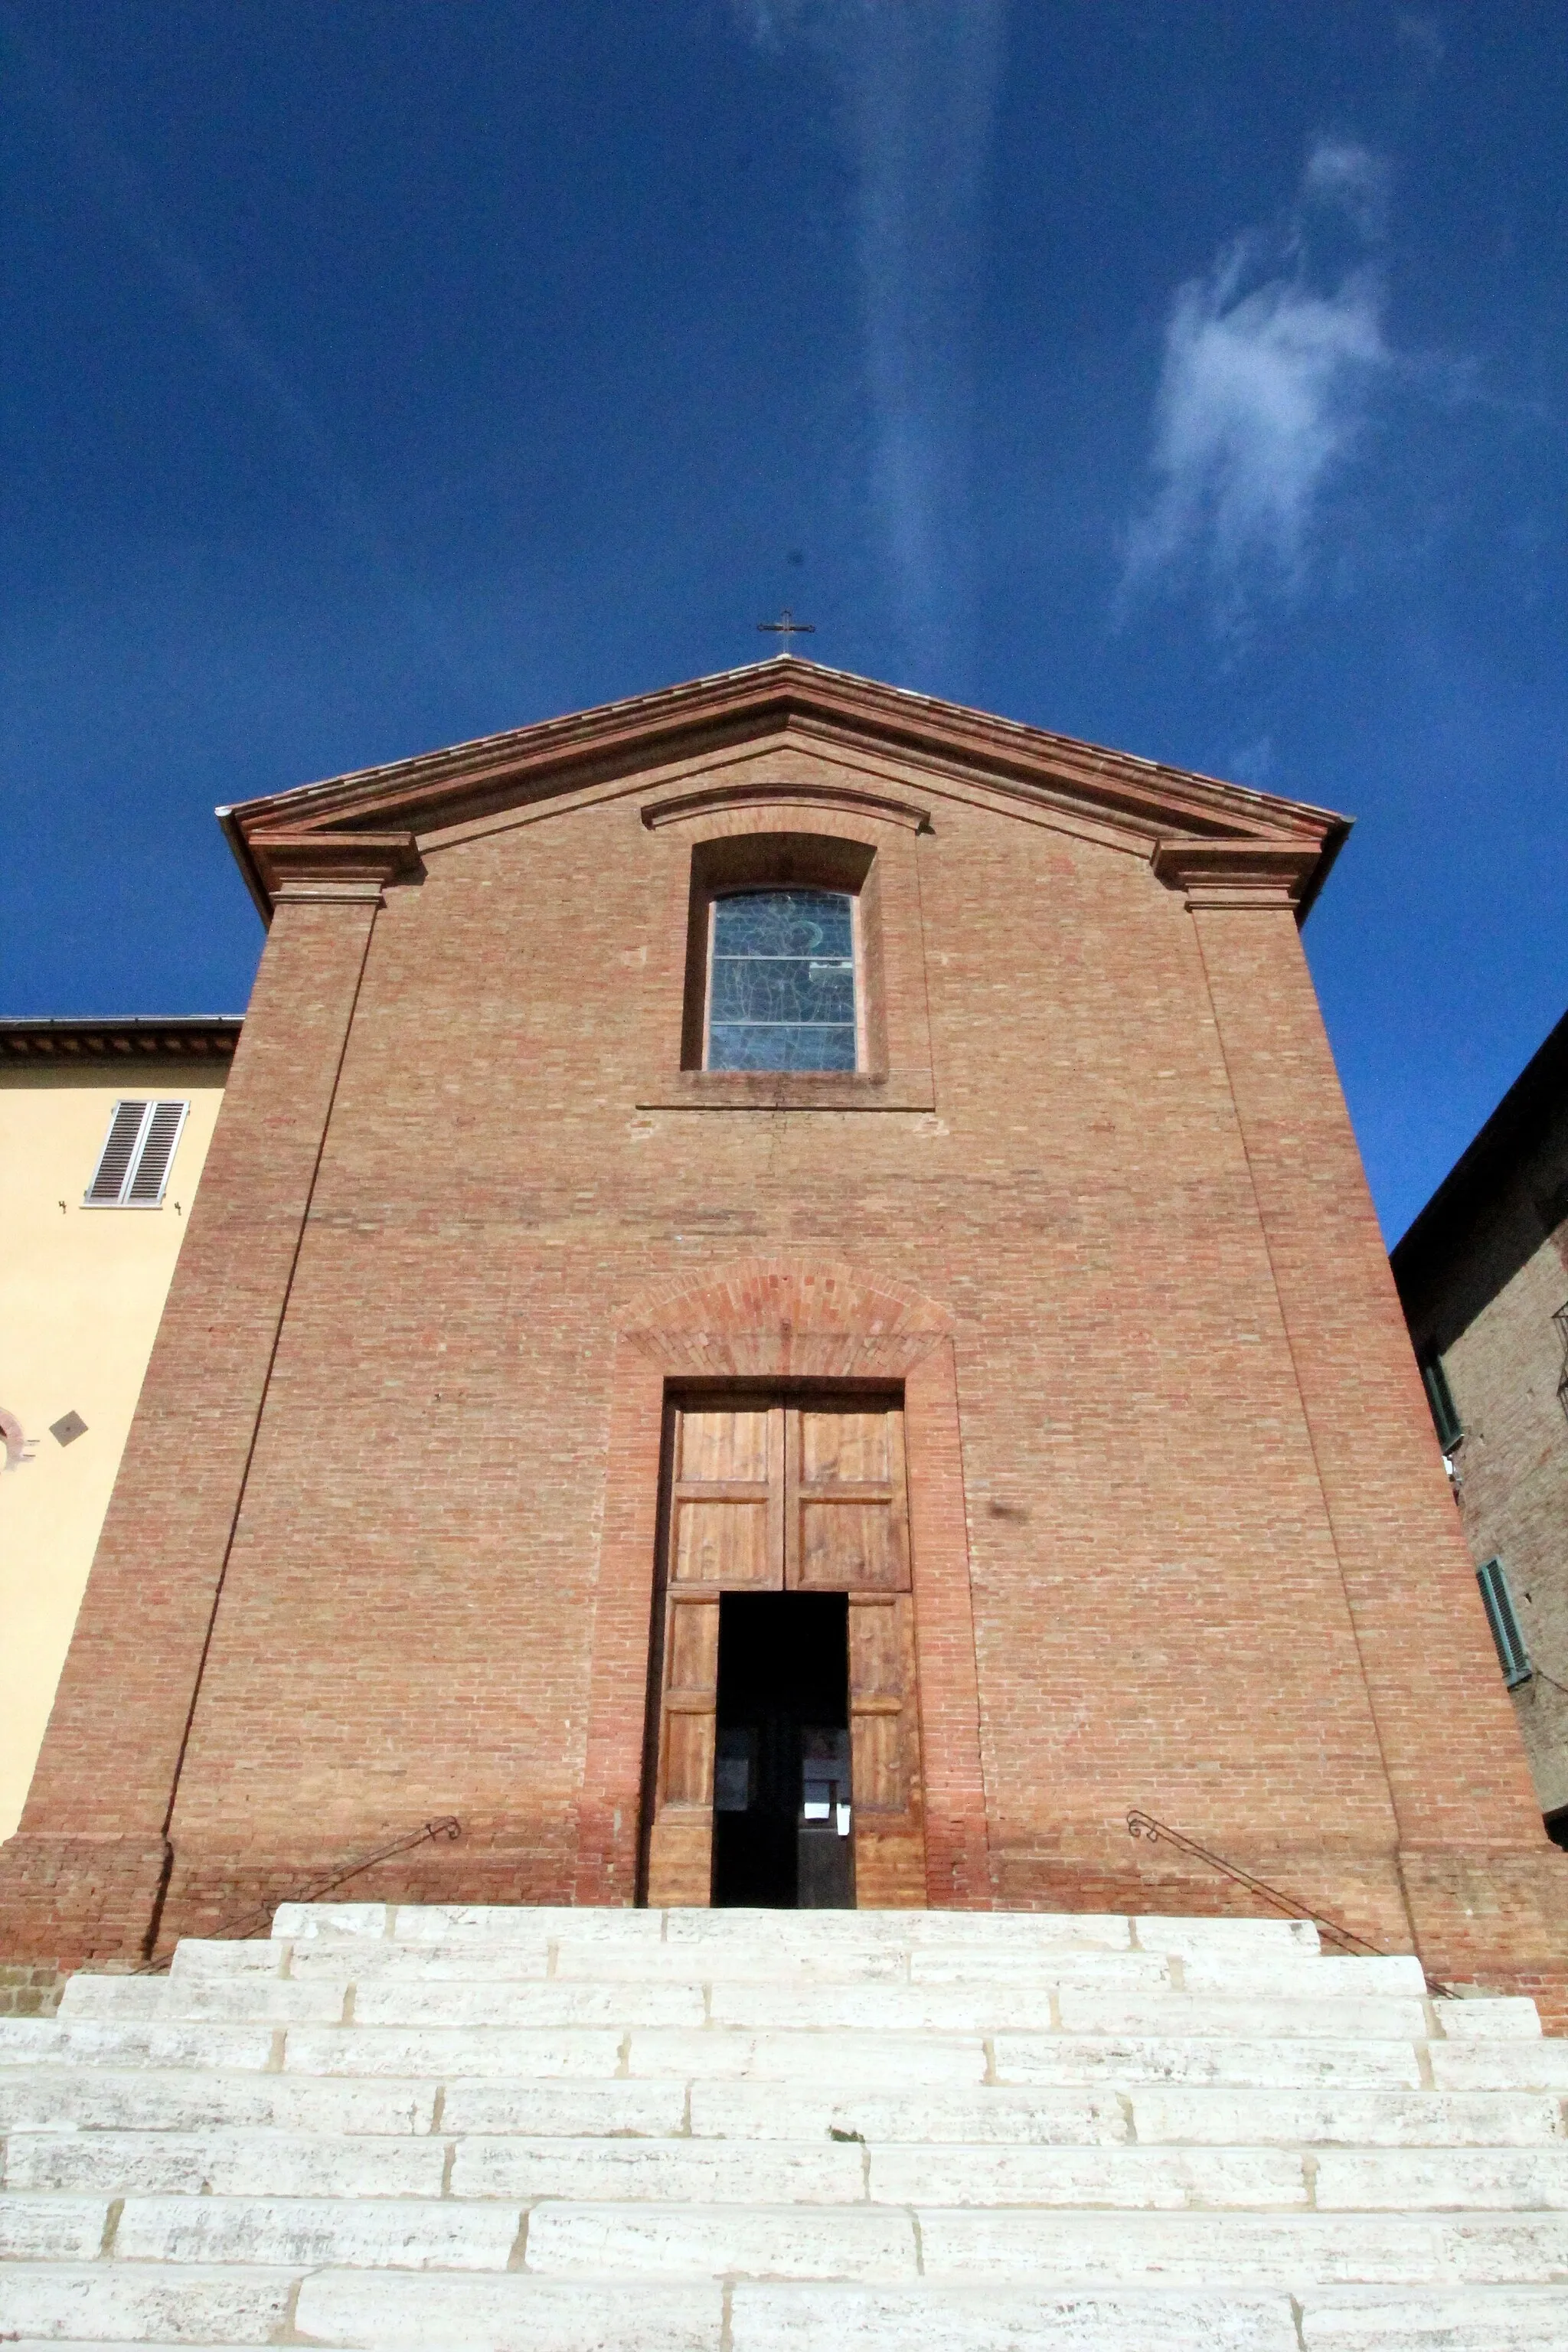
x=83, y=1876
x=1477, y=1873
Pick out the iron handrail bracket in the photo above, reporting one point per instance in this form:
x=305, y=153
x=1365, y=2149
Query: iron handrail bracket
x=447, y=1828
x=1144, y=1825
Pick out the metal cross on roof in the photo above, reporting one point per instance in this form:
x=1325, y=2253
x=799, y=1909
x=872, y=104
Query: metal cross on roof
x=786, y=626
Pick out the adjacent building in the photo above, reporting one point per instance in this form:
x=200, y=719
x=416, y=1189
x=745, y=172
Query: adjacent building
x=1483, y=1278
x=104, y=1127
x=784, y=1308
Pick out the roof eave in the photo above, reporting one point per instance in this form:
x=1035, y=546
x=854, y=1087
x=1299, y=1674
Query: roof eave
x=429, y=790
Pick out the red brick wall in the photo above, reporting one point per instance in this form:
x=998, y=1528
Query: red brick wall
x=1472, y=1848
x=90, y=1855
x=1185, y=1489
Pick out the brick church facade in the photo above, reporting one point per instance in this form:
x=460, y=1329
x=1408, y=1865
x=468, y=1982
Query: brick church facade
x=544, y=1370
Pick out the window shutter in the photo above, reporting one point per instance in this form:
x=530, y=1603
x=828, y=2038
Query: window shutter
x=133, y=1166
x=1513, y=1656
x=152, y=1171
x=124, y=1134
x=1440, y=1397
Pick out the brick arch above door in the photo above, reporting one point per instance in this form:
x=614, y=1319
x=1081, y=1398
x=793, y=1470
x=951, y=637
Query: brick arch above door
x=780, y=1319
x=785, y=1318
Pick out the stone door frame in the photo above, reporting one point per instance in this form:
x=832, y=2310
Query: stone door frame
x=782, y=1320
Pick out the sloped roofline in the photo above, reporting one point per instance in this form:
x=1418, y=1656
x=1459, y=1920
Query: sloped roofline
x=1484, y=1168
x=376, y=814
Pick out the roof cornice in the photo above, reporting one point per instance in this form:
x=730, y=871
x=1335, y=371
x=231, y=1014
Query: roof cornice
x=415, y=798
x=142, y=1036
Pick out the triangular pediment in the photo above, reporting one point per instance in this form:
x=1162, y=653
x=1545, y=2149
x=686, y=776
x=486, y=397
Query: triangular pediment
x=714, y=742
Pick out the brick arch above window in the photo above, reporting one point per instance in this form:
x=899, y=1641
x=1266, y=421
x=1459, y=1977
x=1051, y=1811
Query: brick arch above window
x=767, y=800
x=770, y=839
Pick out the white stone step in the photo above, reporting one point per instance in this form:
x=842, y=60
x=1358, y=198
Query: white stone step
x=154, y=2099
x=1076, y=2008
x=816, y=1932
x=388, y=2232
x=1382, y=2119
x=748, y=2005
x=578, y=2130
x=238, y=2000
x=92, y=2041
x=769, y=2171
x=403, y=2312
x=777, y=2318
x=1029, y=2059
x=117, y=2303
x=1141, y=2112
x=441, y=2051
x=51, y=2228
x=1358, y=2319
x=1287, y=2250
x=1475, y=2065
x=945, y=2319
x=226, y=2163
x=213, y=1975
x=837, y=2241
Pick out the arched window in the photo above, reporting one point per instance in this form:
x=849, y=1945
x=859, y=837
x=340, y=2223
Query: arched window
x=781, y=980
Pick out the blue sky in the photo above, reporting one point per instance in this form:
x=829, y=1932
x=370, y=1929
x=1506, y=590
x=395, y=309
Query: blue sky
x=1191, y=379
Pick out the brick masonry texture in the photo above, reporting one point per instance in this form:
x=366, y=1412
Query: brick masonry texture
x=1483, y=1274
x=29, y=1990
x=1181, y=1534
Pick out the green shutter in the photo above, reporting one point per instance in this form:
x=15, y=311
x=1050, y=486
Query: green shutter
x=1440, y=1397
x=1513, y=1656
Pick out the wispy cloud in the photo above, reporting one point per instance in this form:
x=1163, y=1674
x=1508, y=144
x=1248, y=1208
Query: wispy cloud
x=1271, y=363
x=917, y=85
x=1420, y=30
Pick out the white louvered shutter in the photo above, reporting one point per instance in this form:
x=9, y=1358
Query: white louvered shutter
x=150, y=1172
x=133, y=1167
x=124, y=1134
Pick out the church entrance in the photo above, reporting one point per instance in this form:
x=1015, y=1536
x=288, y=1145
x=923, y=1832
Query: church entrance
x=784, y=1748
x=782, y=1806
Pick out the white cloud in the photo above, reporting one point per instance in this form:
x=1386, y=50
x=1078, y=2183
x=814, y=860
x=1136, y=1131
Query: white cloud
x=1267, y=375
x=1346, y=177
x=917, y=84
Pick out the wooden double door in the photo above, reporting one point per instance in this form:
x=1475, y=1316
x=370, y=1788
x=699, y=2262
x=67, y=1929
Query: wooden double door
x=786, y=1493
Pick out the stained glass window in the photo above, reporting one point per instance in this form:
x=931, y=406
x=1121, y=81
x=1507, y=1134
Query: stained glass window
x=782, y=994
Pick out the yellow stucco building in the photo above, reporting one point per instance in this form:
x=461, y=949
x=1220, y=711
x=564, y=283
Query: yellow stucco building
x=104, y=1126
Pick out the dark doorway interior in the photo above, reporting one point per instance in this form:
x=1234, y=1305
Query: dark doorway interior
x=781, y=1813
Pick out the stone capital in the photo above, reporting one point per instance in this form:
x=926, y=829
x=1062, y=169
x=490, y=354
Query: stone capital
x=1248, y=874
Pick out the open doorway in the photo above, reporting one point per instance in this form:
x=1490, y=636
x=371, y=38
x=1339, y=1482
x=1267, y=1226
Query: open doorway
x=782, y=1817
x=785, y=1518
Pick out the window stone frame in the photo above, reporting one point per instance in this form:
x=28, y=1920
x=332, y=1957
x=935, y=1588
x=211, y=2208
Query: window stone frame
x=708, y=854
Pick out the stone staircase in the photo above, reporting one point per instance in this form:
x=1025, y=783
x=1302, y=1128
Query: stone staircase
x=618, y=2131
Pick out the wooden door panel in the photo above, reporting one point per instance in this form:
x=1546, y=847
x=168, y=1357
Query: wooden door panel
x=726, y=1511
x=724, y=1543
x=691, y=1664
x=848, y=1545
x=720, y=1447
x=884, y=1742
x=837, y=1447
x=681, y=1860
x=689, y=1759
x=876, y=1654
x=846, y=1506
x=880, y=1771
x=680, y=1842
